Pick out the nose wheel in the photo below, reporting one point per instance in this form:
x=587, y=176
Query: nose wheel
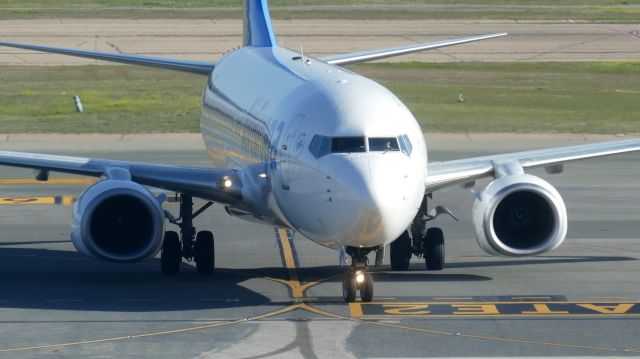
x=357, y=279
x=349, y=288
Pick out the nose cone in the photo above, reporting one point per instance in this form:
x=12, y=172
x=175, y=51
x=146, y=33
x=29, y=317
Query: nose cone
x=373, y=199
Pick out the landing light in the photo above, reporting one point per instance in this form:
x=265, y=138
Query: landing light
x=225, y=183
x=262, y=175
x=359, y=277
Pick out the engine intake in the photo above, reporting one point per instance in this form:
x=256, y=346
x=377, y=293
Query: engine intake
x=519, y=215
x=119, y=221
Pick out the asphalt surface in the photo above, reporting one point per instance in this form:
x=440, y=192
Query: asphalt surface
x=276, y=297
x=208, y=39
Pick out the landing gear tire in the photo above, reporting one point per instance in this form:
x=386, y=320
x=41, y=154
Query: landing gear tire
x=366, y=288
x=401, y=252
x=349, y=287
x=205, y=252
x=171, y=256
x=434, y=249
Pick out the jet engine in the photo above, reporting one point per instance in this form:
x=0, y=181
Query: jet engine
x=519, y=215
x=119, y=221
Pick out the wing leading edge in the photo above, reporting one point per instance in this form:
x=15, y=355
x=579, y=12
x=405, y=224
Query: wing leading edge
x=205, y=183
x=365, y=56
x=196, y=67
x=449, y=173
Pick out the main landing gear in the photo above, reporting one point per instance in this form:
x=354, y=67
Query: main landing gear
x=421, y=241
x=189, y=245
x=357, y=279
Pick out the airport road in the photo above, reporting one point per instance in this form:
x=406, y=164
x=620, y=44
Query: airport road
x=273, y=296
x=207, y=40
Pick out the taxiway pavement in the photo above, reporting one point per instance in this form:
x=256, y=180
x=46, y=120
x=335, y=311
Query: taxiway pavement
x=579, y=300
x=208, y=39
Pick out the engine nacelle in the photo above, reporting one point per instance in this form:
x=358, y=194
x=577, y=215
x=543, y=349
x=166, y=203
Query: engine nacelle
x=119, y=221
x=519, y=215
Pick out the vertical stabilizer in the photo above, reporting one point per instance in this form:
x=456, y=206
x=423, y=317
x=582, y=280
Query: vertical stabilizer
x=257, y=24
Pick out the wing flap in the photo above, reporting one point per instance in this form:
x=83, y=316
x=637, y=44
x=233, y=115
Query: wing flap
x=366, y=56
x=195, y=181
x=196, y=67
x=449, y=173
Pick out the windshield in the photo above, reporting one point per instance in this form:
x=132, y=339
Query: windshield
x=348, y=145
x=383, y=144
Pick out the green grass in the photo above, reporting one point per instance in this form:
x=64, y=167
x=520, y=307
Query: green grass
x=598, y=97
x=596, y=10
x=116, y=99
x=594, y=97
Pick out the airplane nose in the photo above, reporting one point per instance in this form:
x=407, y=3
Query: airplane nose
x=374, y=201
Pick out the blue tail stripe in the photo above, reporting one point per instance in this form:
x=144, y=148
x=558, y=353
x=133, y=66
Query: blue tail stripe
x=258, y=30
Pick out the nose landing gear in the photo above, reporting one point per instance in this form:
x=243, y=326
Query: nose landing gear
x=357, y=279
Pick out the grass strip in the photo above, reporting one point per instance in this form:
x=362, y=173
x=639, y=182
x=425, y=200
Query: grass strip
x=593, y=10
x=593, y=97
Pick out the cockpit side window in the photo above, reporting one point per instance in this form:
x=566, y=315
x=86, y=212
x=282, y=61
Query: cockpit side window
x=320, y=146
x=348, y=145
x=405, y=145
x=383, y=144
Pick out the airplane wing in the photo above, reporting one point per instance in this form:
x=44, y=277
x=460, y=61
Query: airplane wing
x=449, y=173
x=366, y=56
x=205, y=183
x=196, y=67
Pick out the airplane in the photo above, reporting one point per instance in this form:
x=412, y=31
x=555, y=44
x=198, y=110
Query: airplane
x=301, y=143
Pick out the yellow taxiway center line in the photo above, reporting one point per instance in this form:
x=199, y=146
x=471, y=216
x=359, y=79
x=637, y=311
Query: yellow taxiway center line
x=298, y=293
x=295, y=285
x=46, y=200
x=297, y=289
x=79, y=181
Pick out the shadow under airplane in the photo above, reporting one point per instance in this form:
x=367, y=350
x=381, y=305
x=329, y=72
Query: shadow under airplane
x=64, y=280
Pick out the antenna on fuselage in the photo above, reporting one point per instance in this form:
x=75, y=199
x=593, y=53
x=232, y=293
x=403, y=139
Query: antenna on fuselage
x=304, y=61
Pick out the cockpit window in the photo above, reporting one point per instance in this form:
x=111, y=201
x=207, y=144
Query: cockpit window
x=383, y=144
x=405, y=145
x=348, y=145
x=323, y=145
x=320, y=146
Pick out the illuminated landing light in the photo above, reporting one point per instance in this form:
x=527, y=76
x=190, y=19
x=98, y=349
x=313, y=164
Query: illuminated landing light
x=359, y=277
x=262, y=176
x=225, y=183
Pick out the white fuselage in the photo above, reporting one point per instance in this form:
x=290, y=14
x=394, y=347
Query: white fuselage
x=272, y=116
